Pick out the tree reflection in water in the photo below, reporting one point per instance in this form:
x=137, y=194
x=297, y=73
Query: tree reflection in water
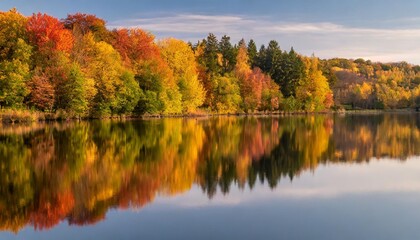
x=77, y=171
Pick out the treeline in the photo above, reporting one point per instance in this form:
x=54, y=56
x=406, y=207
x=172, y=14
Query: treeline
x=360, y=84
x=78, y=66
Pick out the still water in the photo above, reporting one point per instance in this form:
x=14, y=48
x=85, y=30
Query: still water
x=305, y=177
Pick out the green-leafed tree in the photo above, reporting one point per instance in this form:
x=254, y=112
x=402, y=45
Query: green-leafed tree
x=128, y=94
x=227, y=94
x=15, y=56
x=77, y=89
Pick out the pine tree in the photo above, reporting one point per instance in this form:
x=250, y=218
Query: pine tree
x=252, y=53
x=228, y=55
x=211, y=55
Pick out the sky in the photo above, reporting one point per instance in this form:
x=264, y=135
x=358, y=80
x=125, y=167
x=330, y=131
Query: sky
x=385, y=30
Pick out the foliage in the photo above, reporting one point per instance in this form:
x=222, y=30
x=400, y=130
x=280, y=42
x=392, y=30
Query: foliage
x=47, y=32
x=78, y=66
x=81, y=23
x=181, y=61
x=78, y=171
x=42, y=92
x=313, y=90
x=226, y=91
x=15, y=56
x=14, y=74
x=258, y=91
x=366, y=85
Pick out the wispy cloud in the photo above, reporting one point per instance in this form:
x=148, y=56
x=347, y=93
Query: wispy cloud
x=188, y=23
x=325, y=39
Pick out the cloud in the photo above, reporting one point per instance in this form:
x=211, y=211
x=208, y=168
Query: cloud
x=325, y=39
x=187, y=23
x=385, y=176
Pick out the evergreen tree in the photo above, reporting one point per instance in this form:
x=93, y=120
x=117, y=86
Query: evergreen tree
x=210, y=58
x=228, y=55
x=289, y=72
x=261, y=61
x=273, y=57
x=252, y=53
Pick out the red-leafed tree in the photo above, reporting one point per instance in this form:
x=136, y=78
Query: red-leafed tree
x=47, y=32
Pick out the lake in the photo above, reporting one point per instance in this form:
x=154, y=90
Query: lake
x=353, y=176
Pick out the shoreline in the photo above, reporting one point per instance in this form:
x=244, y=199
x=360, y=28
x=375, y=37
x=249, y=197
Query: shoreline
x=8, y=116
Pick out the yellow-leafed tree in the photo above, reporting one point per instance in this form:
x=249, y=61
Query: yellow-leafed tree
x=180, y=58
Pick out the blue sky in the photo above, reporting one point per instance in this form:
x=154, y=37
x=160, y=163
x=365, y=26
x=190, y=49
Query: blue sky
x=378, y=30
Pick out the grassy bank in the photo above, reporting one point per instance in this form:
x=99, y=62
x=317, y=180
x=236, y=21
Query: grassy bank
x=27, y=116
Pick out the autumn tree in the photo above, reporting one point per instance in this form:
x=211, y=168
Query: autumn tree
x=52, y=46
x=46, y=32
x=56, y=67
x=363, y=95
x=105, y=69
x=77, y=91
x=181, y=60
x=313, y=90
x=135, y=46
x=250, y=86
x=41, y=92
x=140, y=52
x=85, y=23
x=271, y=96
x=391, y=90
x=128, y=94
x=227, y=98
x=15, y=56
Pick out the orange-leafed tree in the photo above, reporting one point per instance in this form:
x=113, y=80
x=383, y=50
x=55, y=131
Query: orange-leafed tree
x=47, y=32
x=271, y=96
x=52, y=208
x=135, y=45
x=250, y=86
x=42, y=92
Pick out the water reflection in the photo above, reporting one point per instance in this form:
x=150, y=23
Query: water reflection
x=77, y=171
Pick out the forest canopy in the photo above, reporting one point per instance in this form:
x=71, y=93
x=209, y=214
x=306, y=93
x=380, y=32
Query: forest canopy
x=79, y=66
